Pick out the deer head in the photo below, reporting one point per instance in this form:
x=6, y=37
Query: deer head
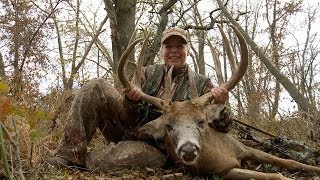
x=184, y=124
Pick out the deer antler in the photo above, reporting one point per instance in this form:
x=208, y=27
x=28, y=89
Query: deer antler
x=124, y=80
x=192, y=83
x=236, y=77
x=216, y=62
x=140, y=61
x=227, y=46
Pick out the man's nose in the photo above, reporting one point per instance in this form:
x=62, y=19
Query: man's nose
x=174, y=49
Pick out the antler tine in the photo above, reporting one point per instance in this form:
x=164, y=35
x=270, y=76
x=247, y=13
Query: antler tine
x=123, y=60
x=133, y=36
x=227, y=46
x=125, y=82
x=216, y=62
x=192, y=83
x=236, y=77
x=140, y=61
x=167, y=91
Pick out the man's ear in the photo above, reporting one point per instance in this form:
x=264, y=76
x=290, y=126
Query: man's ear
x=213, y=111
x=154, y=128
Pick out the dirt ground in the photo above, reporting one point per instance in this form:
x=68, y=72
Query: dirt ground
x=148, y=173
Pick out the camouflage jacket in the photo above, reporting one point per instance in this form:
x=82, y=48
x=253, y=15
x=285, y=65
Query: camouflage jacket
x=153, y=81
x=153, y=84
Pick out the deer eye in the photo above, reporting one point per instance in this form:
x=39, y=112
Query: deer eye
x=201, y=123
x=169, y=127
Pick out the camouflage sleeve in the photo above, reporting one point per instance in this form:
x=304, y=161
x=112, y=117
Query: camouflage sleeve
x=222, y=124
x=208, y=86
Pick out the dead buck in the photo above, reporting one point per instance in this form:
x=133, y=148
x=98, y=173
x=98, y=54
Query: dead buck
x=184, y=126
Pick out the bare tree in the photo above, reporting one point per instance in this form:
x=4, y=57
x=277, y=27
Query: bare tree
x=2, y=71
x=306, y=55
x=122, y=15
x=278, y=20
x=200, y=35
x=163, y=18
x=24, y=26
x=303, y=103
x=78, y=58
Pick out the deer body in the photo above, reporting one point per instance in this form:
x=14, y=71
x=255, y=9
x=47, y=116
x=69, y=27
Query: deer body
x=222, y=154
x=221, y=157
x=189, y=139
x=192, y=143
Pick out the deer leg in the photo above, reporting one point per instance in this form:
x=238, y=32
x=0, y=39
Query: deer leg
x=255, y=154
x=243, y=174
x=95, y=106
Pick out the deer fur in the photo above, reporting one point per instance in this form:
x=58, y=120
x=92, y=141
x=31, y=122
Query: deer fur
x=191, y=142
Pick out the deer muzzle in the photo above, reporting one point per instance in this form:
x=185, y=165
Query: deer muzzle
x=188, y=153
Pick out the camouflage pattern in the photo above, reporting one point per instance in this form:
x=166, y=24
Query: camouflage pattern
x=99, y=105
x=181, y=87
x=282, y=146
x=124, y=154
x=295, y=150
x=96, y=105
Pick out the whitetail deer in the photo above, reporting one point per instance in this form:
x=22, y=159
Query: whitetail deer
x=184, y=126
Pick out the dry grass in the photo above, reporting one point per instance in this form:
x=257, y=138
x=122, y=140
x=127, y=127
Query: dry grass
x=35, y=149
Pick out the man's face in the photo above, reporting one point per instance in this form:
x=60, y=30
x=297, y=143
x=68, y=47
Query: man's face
x=174, y=51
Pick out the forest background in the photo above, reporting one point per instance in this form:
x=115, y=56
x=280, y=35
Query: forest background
x=50, y=48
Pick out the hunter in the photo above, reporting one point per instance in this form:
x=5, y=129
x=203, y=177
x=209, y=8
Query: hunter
x=118, y=115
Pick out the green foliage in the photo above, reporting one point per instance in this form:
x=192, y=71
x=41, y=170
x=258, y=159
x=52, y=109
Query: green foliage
x=36, y=116
x=4, y=88
x=19, y=111
x=35, y=134
x=35, y=119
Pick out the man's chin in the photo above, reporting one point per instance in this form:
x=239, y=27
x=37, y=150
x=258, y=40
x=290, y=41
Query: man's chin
x=176, y=65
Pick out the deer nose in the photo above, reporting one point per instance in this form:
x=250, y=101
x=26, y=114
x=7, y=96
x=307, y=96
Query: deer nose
x=188, y=152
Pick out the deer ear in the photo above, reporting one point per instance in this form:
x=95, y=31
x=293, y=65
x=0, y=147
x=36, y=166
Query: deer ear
x=213, y=111
x=154, y=128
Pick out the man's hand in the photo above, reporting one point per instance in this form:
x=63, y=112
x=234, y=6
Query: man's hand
x=220, y=95
x=134, y=94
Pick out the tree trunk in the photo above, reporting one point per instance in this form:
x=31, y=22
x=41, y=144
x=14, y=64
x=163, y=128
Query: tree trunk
x=17, y=74
x=122, y=24
x=275, y=56
x=2, y=71
x=155, y=45
x=200, y=61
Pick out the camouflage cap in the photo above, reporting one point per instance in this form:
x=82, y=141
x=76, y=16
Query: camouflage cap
x=174, y=31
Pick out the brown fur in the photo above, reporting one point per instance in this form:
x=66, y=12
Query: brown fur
x=190, y=140
x=218, y=153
